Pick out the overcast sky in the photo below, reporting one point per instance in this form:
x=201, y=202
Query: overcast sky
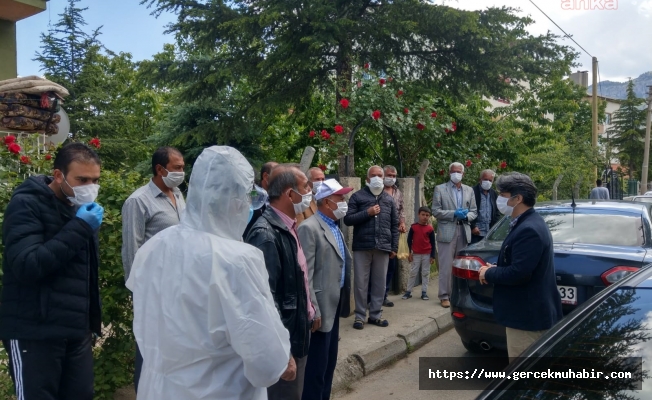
x=620, y=39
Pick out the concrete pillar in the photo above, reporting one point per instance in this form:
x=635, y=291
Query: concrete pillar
x=355, y=183
x=8, y=55
x=407, y=187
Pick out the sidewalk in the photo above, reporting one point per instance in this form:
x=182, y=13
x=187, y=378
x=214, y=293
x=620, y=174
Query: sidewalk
x=412, y=323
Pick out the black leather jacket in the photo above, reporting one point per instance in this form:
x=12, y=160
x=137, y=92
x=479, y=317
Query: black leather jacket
x=270, y=234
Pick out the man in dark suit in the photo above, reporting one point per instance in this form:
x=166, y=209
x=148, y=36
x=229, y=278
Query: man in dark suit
x=525, y=299
x=265, y=172
x=485, y=199
x=329, y=273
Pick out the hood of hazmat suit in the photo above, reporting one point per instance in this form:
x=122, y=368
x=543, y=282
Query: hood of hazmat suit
x=204, y=316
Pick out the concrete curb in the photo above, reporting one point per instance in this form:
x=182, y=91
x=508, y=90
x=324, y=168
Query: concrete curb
x=422, y=335
x=347, y=371
x=363, y=363
x=376, y=358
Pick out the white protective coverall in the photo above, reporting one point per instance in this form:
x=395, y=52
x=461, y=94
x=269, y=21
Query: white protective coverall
x=204, y=316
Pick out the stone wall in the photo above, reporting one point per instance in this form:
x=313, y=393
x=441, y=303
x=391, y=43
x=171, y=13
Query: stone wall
x=407, y=187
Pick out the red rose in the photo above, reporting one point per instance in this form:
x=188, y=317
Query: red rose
x=95, y=142
x=344, y=103
x=339, y=129
x=454, y=126
x=381, y=81
x=434, y=114
x=48, y=157
x=478, y=156
x=438, y=144
x=24, y=159
x=468, y=163
x=447, y=130
x=405, y=110
x=366, y=66
x=442, y=172
x=325, y=135
x=421, y=126
x=9, y=139
x=375, y=115
x=399, y=93
x=503, y=165
x=322, y=167
x=312, y=134
x=14, y=148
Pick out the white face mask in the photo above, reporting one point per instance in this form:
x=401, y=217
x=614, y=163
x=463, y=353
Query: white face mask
x=376, y=185
x=486, y=185
x=173, y=179
x=83, y=194
x=342, y=208
x=304, y=204
x=456, y=177
x=316, y=185
x=389, y=182
x=501, y=203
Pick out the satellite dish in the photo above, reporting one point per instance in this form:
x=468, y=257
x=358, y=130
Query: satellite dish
x=64, y=130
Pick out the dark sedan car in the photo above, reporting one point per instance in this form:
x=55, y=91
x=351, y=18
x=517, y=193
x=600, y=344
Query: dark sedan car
x=596, y=244
x=611, y=333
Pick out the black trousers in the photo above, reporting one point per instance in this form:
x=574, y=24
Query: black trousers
x=138, y=367
x=51, y=369
x=322, y=358
x=476, y=238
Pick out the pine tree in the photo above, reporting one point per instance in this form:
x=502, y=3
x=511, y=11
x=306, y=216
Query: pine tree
x=628, y=132
x=107, y=99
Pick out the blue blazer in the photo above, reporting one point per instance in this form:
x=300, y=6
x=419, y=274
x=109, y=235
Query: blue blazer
x=525, y=286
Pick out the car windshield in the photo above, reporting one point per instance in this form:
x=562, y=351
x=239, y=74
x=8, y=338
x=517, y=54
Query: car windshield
x=581, y=227
x=621, y=326
x=647, y=199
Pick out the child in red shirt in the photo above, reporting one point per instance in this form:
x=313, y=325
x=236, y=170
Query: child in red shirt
x=421, y=241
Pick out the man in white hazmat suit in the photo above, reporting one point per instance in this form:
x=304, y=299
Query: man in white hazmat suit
x=204, y=317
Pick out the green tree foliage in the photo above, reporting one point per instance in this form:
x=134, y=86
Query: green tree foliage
x=547, y=133
x=107, y=100
x=626, y=137
x=287, y=51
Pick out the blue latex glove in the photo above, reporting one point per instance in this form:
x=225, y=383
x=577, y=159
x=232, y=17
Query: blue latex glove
x=465, y=211
x=92, y=214
x=459, y=214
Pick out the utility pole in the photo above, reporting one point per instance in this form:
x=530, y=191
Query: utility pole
x=646, y=153
x=594, y=141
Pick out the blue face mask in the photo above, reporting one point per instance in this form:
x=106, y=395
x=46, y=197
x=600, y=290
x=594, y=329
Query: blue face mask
x=251, y=214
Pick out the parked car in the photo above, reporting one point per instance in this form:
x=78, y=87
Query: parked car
x=596, y=244
x=597, y=336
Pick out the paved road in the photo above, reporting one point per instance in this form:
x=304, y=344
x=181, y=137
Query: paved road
x=401, y=380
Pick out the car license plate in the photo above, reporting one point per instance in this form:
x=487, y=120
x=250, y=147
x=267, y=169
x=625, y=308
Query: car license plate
x=568, y=294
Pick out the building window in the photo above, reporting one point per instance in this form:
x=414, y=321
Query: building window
x=607, y=119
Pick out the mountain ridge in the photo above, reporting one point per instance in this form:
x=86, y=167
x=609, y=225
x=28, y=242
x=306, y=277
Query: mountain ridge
x=618, y=90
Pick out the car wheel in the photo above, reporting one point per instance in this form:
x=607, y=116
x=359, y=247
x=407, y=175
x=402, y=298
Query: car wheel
x=473, y=347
